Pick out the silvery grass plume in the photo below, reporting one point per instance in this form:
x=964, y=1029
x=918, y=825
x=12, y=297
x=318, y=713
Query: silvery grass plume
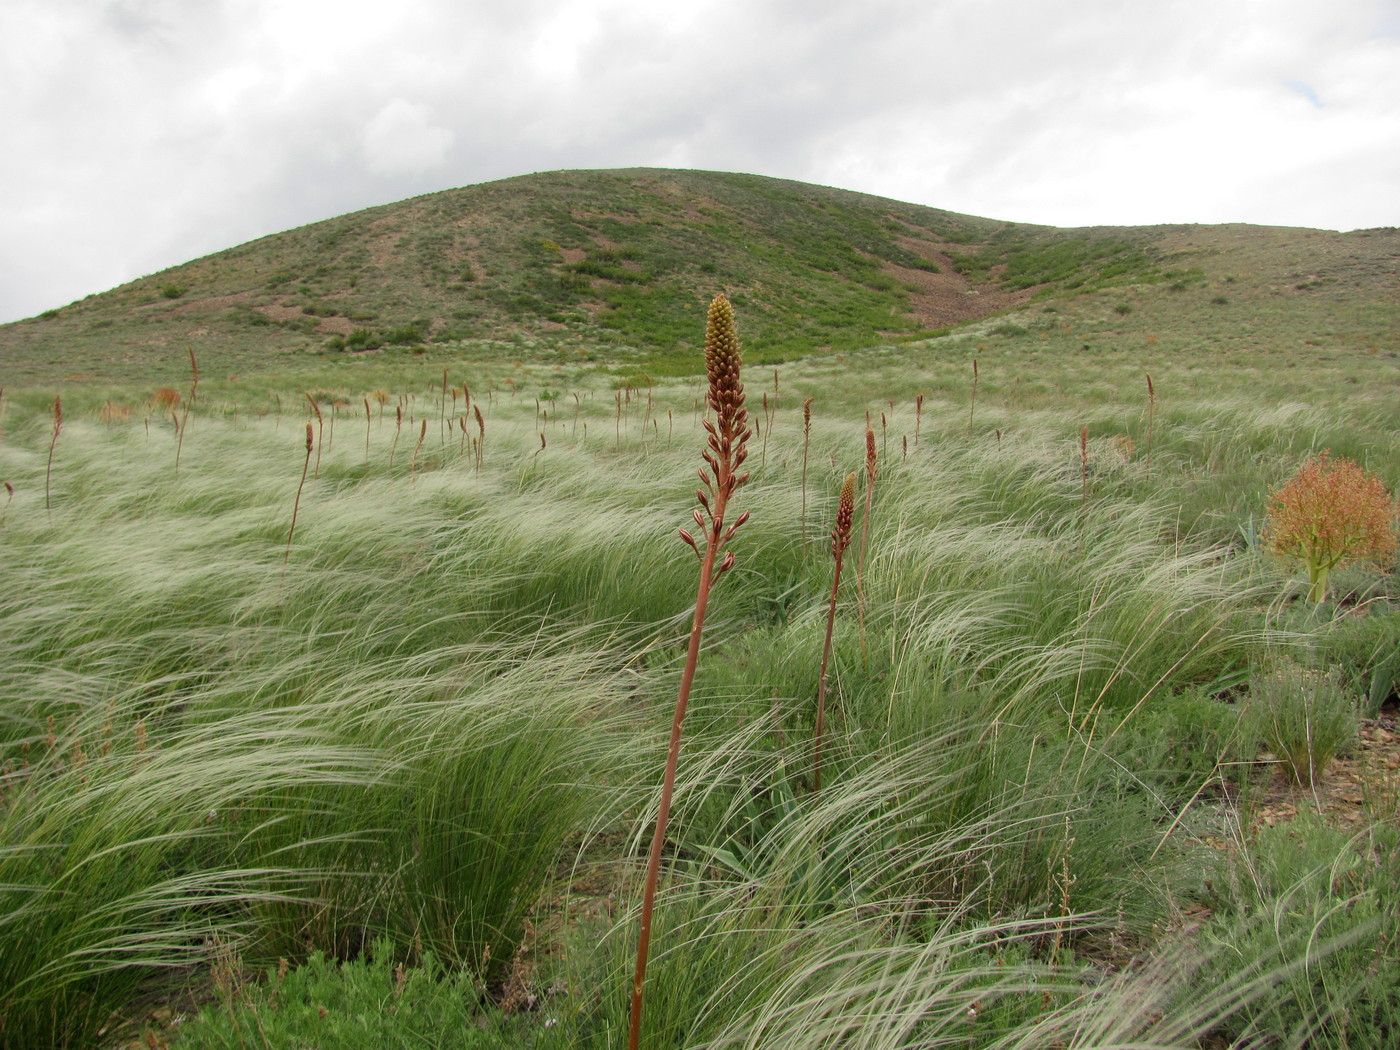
x=726, y=448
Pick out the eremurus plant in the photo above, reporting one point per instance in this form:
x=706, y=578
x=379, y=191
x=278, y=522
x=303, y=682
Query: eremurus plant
x=53, y=440
x=726, y=448
x=296, y=504
x=840, y=540
x=1330, y=513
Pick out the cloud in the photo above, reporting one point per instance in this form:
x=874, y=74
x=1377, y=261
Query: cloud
x=147, y=132
x=402, y=140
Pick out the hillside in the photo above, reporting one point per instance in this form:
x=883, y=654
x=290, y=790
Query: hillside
x=618, y=265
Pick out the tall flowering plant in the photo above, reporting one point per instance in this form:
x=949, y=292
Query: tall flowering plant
x=726, y=448
x=1332, y=512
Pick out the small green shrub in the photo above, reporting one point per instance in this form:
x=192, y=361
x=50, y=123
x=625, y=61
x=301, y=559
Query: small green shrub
x=1304, y=717
x=407, y=335
x=369, y=1003
x=1311, y=917
x=1186, y=743
x=364, y=339
x=1366, y=651
x=174, y=291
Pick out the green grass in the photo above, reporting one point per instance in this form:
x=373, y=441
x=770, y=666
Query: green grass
x=421, y=760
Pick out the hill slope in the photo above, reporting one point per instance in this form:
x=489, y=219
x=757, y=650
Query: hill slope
x=622, y=262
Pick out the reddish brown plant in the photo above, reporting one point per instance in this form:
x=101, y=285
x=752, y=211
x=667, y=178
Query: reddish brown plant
x=840, y=540
x=1332, y=512
x=53, y=440
x=726, y=448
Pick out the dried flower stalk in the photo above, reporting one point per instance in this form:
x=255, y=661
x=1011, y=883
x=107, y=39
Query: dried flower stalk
x=726, y=448
x=1151, y=414
x=53, y=440
x=840, y=540
x=296, y=504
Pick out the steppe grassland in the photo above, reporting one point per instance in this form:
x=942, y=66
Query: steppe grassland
x=454, y=695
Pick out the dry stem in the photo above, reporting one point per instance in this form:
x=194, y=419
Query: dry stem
x=725, y=452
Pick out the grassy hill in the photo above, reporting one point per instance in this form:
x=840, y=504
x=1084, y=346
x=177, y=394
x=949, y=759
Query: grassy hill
x=617, y=266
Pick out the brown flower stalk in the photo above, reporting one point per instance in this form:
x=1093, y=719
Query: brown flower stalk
x=480, y=435
x=840, y=540
x=48, y=470
x=972, y=405
x=185, y=417
x=320, y=432
x=726, y=448
x=1151, y=413
x=296, y=504
x=413, y=459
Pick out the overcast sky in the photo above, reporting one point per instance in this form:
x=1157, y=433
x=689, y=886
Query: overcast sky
x=138, y=134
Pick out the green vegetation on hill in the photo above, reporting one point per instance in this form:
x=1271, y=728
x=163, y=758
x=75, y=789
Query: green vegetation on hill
x=618, y=265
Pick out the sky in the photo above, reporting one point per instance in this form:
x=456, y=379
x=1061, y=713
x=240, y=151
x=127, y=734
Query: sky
x=140, y=134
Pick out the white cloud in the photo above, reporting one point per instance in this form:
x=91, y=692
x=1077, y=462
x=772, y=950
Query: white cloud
x=146, y=132
x=401, y=139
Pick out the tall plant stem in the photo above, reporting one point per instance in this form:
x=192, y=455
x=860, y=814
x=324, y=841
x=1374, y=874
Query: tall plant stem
x=369, y=422
x=726, y=449
x=53, y=440
x=1151, y=414
x=668, y=784
x=413, y=459
x=972, y=404
x=185, y=415
x=840, y=539
x=296, y=504
x=821, y=681
x=320, y=432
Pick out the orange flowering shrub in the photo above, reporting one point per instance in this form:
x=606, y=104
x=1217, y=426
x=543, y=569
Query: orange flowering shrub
x=1330, y=513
